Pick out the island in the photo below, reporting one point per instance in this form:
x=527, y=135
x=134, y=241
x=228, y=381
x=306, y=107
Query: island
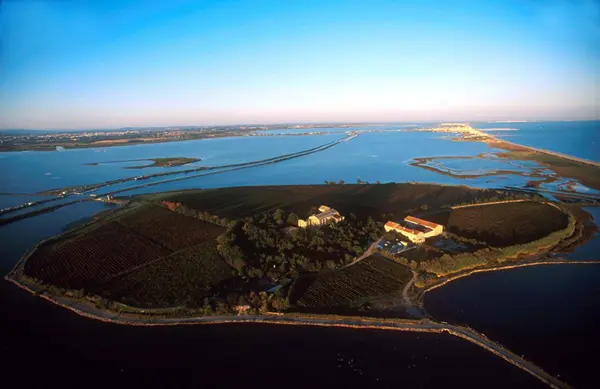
x=350, y=255
x=319, y=248
x=156, y=162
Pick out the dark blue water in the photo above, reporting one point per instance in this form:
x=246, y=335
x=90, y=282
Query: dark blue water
x=579, y=138
x=550, y=314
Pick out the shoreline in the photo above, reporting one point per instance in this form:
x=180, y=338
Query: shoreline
x=133, y=316
x=354, y=322
x=420, y=295
x=494, y=141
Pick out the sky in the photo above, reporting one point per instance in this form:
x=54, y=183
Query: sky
x=67, y=64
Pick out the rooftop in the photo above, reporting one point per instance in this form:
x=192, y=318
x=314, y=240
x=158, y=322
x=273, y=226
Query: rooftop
x=422, y=222
x=399, y=227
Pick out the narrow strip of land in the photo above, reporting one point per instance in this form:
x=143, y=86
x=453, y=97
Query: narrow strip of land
x=314, y=320
x=214, y=170
x=455, y=277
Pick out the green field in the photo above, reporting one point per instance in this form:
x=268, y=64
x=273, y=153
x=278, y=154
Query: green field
x=181, y=279
x=502, y=225
x=380, y=201
x=169, y=229
x=221, y=249
x=352, y=286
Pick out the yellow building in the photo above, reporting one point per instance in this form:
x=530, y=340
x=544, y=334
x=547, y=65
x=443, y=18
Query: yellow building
x=415, y=229
x=432, y=229
x=326, y=215
x=412, y=235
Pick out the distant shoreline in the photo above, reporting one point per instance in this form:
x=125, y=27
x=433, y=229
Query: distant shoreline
x=495, y=142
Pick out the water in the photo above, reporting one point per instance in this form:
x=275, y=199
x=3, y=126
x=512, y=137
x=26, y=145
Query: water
x=243, y=355
x=378, y=156
x=580, y=138
x=371, y=157
x=550, y=314
x=17, y=238
x=36, y=171
x=590, y=250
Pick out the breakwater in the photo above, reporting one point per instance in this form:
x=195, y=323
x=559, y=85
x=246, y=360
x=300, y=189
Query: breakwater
x=205, y=171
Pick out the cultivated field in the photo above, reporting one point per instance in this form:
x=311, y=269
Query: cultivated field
x=181, y=279
x=169, y=229
x=81, y=260
x=85, y=258
x=380, y=201
x=372, y=277
x=502, y=225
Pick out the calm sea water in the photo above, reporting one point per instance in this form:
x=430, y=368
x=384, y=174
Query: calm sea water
x=370, y=157
x=579, y=138
x=550, y=314
x=591, y=250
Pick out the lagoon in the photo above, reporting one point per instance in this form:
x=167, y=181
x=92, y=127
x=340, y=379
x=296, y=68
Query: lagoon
x=550, y=314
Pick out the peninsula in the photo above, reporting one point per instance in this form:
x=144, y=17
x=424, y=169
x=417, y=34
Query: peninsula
x=232, y=250
x=241, y=255
x=585, y=171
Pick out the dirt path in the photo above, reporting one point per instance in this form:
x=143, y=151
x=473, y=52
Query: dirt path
x=368, y=252
x=489, y=203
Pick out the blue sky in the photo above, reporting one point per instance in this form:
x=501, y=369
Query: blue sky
x=113, y=63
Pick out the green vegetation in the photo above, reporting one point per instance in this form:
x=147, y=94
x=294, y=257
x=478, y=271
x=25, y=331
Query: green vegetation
x=169, y=229
x=382, y=202
x=448, y=264
x=184, y=278
x=229, y=250
x=588, y=175
x=167, y=162
x=134, y=238
x=353, y=286
x=501, y=225
x=77, y=261
x=258, y=248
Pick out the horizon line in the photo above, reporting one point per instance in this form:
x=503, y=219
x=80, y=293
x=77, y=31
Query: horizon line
x=293, y=123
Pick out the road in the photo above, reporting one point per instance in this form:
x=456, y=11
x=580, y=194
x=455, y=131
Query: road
x=368, y=252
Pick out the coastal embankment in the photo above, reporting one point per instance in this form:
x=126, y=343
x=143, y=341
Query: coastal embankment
x=419, y=296
x=468, y=334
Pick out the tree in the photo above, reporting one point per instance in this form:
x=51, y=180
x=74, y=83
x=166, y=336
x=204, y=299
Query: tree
x=278, y=215
x=279, y=303
x=292, y=219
